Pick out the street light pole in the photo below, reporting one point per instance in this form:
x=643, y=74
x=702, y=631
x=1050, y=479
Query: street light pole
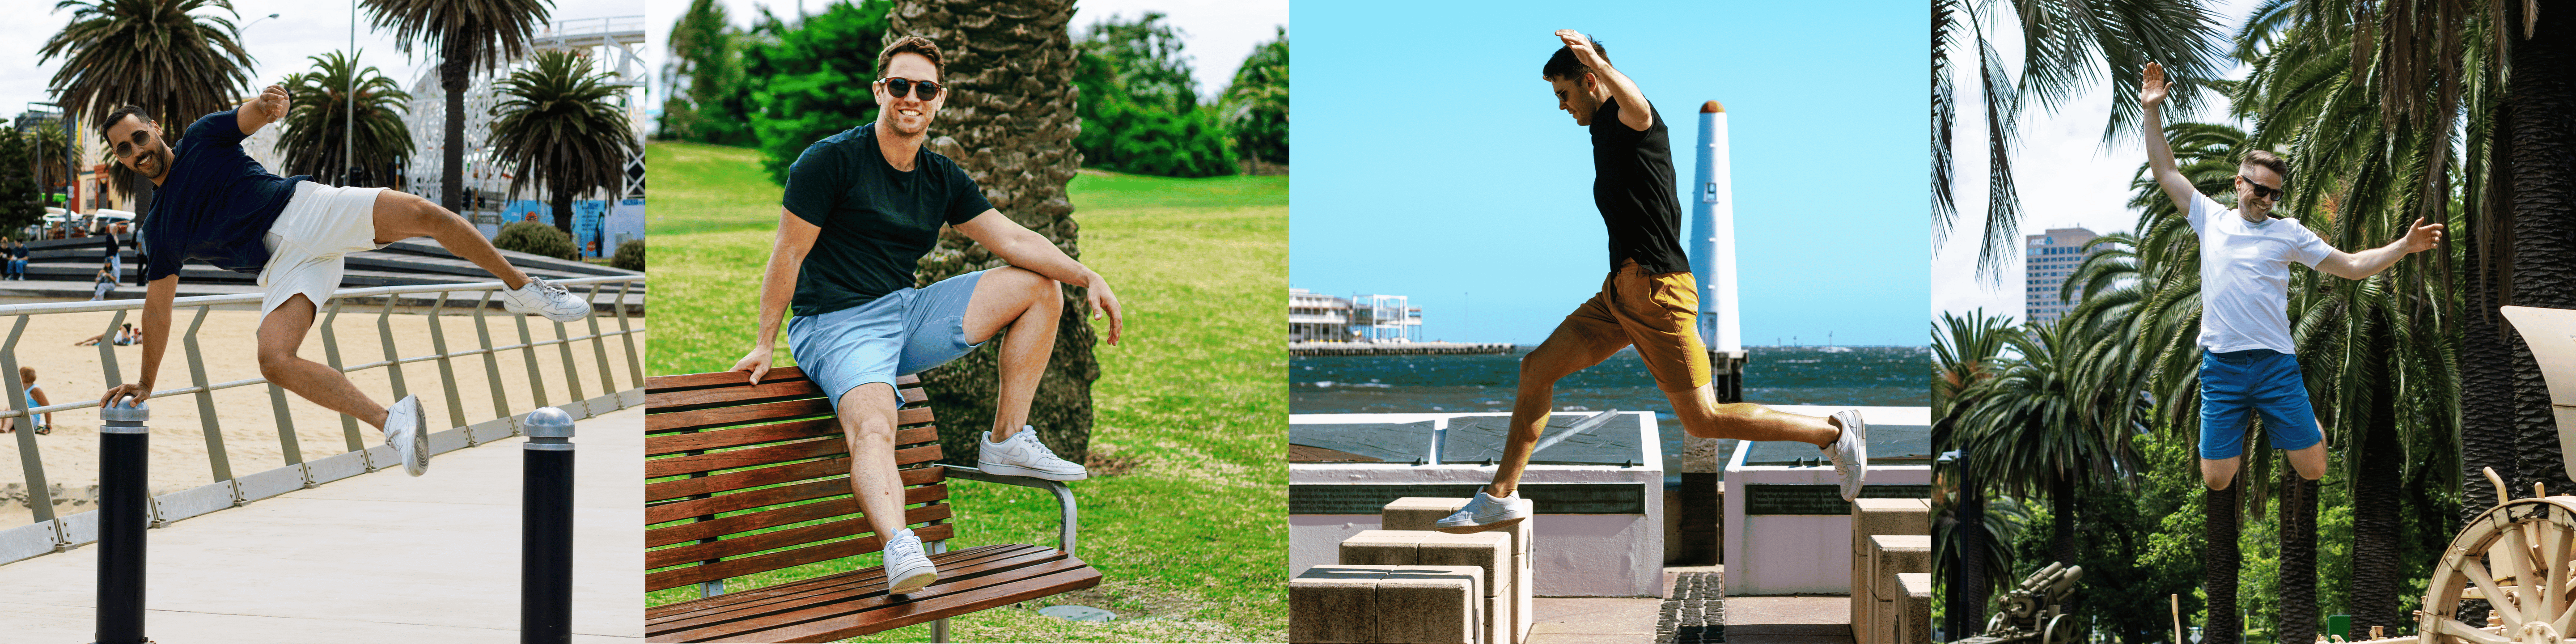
x=349, y=114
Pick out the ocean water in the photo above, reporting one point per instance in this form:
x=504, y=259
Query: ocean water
x=1859, y=376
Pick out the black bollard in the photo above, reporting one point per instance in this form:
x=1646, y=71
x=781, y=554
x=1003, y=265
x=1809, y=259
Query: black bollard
x=545, y=530
x=123, y=455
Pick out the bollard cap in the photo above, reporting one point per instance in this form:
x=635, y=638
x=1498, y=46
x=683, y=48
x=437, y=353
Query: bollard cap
x=124, y=409
x=548, y=422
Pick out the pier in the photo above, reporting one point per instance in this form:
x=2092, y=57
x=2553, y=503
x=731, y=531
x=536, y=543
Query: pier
x=1398, y=348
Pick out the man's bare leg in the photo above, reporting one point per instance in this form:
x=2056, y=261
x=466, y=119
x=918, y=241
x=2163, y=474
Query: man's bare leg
x=280, y=333
x=867, y=419
x=2219, y=473
x=1566, y=351
x=1029, y=304
x=401, y=215
x=1702, y=416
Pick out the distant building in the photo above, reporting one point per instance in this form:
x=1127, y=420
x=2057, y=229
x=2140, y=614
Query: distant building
x=2050, y=258
x=1315, y=317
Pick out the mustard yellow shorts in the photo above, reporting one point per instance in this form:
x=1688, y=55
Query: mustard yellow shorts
x=1658, y=314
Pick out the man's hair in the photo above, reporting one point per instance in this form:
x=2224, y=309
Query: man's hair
x=912, y=45
x=2269, y=161
x=1564, y=65
x=118, y=115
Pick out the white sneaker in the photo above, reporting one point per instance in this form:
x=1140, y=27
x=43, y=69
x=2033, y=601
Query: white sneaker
x=907, y=568
x=1850, y=452
x=407, y=431
x=1022, y=455
x=545, y=298
x=1486, y=513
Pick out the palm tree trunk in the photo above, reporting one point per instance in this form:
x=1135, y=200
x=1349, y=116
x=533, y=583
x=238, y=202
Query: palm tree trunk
x=2219, y=562
x=1967, y=599
x=2061, y=507
x=562, y=204
x=454, y=77
x=2486, y=385
x=2376, y=568
x=2298, y=574
x=2543, y=134
x=1009, y=122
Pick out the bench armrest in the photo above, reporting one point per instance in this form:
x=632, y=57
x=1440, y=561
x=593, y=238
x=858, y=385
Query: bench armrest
x=1063, y=496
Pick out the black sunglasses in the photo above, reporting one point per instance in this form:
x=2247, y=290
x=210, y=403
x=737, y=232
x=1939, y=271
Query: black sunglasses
x=2268, y=193
x=897, y=87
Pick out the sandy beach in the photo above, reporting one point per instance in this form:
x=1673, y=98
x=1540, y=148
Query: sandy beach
x=250, y=432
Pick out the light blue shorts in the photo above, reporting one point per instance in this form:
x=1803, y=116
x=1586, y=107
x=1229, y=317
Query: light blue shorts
x=2237, y=385
x=900, y=334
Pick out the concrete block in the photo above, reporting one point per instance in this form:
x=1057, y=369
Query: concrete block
x=1381, y=547
x=1371, y=604
x=1915, y=624
x=1871, y=518
x=1431, y=605
x=1334, y=604
x=1892, y=555
x=1488, y=552
x=1418, y=512
x=1523, y=587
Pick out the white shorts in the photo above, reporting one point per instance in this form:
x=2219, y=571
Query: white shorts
x=319, y=225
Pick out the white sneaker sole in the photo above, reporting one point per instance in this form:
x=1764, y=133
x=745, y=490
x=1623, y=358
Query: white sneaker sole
x=910, y=583
x=1859, y=459
x=1482, y=527
x=514, y=307
x=1015, y=470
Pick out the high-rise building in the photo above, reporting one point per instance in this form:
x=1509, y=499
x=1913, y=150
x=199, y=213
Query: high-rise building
x=2049, y=259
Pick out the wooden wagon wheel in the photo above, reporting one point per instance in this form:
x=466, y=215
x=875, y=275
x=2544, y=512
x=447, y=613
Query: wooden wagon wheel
x=2517, y=556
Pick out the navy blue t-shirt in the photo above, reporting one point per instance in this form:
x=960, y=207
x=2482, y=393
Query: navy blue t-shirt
x=215, y=204
x=877, y=221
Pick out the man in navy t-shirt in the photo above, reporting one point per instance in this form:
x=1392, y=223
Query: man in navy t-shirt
x=862, y=207
x=216, y=205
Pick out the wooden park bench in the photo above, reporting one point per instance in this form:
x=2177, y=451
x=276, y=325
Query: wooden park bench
x=753, y=460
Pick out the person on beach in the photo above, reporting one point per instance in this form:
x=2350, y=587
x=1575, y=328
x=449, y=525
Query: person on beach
x=103, y=284
x=125, y=335
x=2248, y=364
x=1649, y=299
x=36, y=397
x=861, y=208
x=217, y=206
x=17, y=252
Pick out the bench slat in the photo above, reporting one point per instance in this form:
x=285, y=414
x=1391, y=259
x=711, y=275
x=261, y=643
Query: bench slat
x=658, y=384
x=789, y=453
x=764, y=497
x=764, y=563
x=762, y=412
x=797, y=592
x=847, y=525
x=690, y=490
x=840, y=615
x=675, y=443
x=740, y=523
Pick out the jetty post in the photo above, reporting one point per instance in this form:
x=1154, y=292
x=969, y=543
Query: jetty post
x=1712, y=255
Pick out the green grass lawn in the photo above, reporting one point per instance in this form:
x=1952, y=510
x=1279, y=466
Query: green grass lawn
x=1192, y=541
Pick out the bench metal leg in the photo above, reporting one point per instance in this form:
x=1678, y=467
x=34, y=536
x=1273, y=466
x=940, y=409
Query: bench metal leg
x=939, y=631
x=710, y=588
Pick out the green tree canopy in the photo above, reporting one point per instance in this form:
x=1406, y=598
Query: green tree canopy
x=315, y=124
x=1256, y=103
x=812, y=78
x=704, y=80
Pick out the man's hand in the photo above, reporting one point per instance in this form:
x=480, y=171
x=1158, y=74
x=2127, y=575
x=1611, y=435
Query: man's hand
x=272, y=102
x=2422, y=238
x=1102, y=301
x=756, y=362
x=1583, y=51
x=141, y=391
x=2152, y=92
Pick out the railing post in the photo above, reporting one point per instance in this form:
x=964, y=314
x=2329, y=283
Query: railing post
x=528, y=353
x=634, y=366
x=393, y=358
x=123, y=460
x=30, y=460
x=106, y=350
x=545, y=529
x=572, y=369
x=599, y=348
x=206, y=418
x=331, y=351
x=492, y=361
x=446, y=370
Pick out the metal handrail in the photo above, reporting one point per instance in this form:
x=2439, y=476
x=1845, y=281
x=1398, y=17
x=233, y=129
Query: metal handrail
x=58, y=534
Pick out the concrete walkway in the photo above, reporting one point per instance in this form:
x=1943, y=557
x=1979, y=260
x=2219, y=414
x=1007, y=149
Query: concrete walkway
x=379, y=557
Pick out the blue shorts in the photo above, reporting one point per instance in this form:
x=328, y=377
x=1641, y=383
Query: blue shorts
x=2236, y=385
x=903, y=333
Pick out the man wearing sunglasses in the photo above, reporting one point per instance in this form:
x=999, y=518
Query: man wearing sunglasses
x=215, y=205
x=862, y=207
x=2249, y=364
x=1649, y=300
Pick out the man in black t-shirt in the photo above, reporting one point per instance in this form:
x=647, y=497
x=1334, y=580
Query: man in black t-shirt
x=1649, y=300
x=861, y=209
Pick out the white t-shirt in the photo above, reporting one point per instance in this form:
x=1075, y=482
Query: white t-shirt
x=2245, y=276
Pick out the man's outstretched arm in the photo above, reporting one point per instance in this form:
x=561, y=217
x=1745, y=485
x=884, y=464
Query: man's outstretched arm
x=2362, y=265
x=1635, y=112
x=2160, y=158
x=1029, y=250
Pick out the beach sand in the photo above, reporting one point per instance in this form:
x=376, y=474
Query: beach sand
x=249, y=430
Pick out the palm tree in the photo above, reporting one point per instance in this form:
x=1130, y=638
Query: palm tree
x=470, y=34
x=1972, y=540
x=2065, y=45
x=562, y=125
x=1010, y=125
x=163, y=55
x=313, y=127
x=2043, y=424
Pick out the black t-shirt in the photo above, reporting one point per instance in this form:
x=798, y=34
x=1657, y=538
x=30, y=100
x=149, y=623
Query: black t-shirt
x=215, y=204
x=877, y=221
x=1632, y=184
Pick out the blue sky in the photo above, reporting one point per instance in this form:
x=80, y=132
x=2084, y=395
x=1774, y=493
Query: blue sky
x=1432, y=161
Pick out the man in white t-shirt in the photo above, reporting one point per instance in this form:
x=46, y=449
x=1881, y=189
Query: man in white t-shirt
x=2248, y=365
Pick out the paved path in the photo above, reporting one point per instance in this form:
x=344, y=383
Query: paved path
x=379, y=557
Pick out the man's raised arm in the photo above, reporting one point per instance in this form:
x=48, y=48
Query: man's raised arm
x=2160, y=158
x=259, y=111
x=1634, y=111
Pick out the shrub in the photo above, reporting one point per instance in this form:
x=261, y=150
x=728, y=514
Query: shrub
x=630, y=256
x=535, y=239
